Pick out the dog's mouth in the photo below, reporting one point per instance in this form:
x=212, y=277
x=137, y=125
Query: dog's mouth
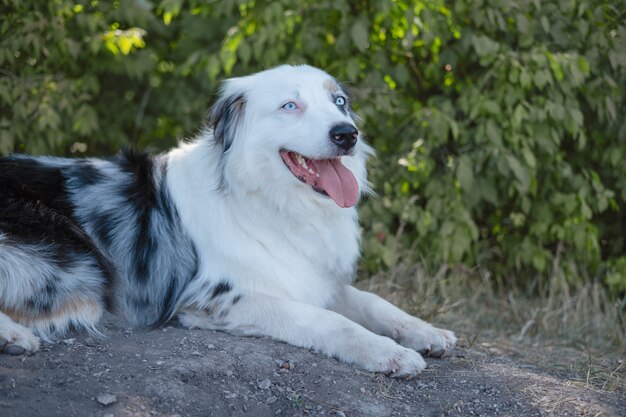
x=326, y=176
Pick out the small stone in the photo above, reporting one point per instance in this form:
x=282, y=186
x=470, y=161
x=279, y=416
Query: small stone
x=69, y=341
x=106, y=399
x=265, y=384
x=271, y=400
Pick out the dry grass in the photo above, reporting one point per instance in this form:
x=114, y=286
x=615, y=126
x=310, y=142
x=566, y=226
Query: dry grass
x=574, y=329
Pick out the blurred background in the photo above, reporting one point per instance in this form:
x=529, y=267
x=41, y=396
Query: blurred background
x=499, y=127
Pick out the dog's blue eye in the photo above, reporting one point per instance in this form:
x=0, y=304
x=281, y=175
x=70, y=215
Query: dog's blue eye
x=290, y=106
x=340, y=101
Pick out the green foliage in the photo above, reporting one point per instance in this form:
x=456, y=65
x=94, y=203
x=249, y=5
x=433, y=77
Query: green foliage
x=500, y=126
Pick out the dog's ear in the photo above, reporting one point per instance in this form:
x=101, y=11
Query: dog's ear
x=225, y=116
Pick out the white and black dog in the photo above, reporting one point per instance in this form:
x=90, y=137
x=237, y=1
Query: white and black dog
x=251, y=228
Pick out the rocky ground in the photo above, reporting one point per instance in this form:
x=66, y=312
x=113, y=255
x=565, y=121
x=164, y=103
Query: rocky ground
x=180, y=372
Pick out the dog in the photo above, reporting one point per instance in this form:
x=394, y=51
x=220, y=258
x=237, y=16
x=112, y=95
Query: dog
x=250, y=228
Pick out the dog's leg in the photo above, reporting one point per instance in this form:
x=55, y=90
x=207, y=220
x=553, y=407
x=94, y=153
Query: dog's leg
x=307, y=326
x=16, y=339
x=44, y=290
x=382, y=317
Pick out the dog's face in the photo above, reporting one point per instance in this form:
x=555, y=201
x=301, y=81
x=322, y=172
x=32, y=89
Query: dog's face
x=292, y=127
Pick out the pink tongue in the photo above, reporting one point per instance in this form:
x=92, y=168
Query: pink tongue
x=338, y=182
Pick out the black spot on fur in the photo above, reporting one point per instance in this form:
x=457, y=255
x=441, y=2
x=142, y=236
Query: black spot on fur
x=40, y=305
x=236, y=299
x=221, y=288
x=139, y=301
x=141, y=192
x=50, y=289
x=225, y=115
x=83, y=173
x=102, y=227
x=169, y=302
x=173, y=293
x=164, y=200
x=46, y=300
x=30, y=180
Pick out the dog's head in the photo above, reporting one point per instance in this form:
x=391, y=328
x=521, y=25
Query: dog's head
x=291, y=127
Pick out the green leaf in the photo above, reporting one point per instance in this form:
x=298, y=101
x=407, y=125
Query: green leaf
x=85, y=120
x=539, y=261
x=555, y=66
x=6, y=142
x=460, y=244
x=488, y=190
x=484, y=45
x=577, y=116
x=359, y=34
x=245, y=52
x=493, y=132
x=585, y=210
x=583, y=64
x=170, y=9
x=491, y=107
x=529, y=157
x=545, y=23
x=520, y=172
x=541, y=78
x=610, y=108
x=464, y=174
x=522, y=23
x=525, y=79
x=353, y=69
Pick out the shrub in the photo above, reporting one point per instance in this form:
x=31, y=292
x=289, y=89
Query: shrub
x=499, y=125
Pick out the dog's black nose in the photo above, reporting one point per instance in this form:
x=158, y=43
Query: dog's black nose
x=344, y=135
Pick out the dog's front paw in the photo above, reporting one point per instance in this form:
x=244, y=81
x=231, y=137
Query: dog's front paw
x=426, y=338
x=406, y=363
x=16, y=339
x=386, y=356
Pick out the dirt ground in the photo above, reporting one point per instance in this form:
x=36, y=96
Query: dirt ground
x=179, y=372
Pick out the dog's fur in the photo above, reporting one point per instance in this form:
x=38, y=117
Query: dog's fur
x=218, y=232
